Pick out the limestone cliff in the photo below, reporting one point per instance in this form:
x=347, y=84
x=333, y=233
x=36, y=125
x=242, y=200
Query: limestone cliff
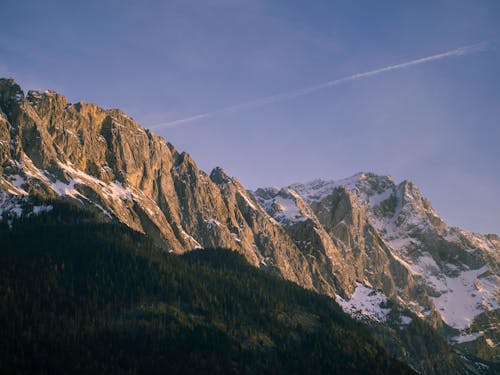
x=106, y=161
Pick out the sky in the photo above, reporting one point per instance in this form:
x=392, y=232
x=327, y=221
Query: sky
x=436, y=123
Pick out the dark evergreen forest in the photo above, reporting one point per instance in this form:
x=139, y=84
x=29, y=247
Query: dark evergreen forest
x=79, y=295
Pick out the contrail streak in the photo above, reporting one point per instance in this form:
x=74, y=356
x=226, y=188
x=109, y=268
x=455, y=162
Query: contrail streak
x=474, y=48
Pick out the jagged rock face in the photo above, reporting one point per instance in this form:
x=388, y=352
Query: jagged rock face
x=335, y=229
x=326, y=263
x=441, y=273
x=106, y=161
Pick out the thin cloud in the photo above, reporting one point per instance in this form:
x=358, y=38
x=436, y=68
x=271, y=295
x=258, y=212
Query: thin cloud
x=466, y=50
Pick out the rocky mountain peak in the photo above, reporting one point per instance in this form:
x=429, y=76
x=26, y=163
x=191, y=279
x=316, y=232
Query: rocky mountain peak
x=10, y=89
x=47, y=98
x=219, y=176
x=10, y=94
x=370, y=183
x=384, y=228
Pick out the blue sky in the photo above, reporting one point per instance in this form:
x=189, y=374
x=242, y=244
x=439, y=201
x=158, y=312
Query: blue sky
x=437, y=124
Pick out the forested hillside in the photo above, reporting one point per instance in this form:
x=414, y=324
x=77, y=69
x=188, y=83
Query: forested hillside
x=80, y=295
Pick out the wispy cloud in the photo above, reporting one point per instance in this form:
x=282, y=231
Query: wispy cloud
x=466, y=50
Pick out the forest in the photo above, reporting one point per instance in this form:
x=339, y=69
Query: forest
x=81, y=295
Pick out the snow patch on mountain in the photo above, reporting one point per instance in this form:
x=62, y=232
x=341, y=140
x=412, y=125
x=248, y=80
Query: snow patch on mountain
x=15, y=206
x=405, y=320
x=114, y=190
x=247, y=200
x=317, y=190
x=191, y=239
x=467, y=337
x=284, y=205
x=467, y=296
x=286, y=210
x=211, y=223
x=365, y=303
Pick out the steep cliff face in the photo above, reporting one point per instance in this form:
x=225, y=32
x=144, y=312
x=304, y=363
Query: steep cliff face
x=326, y=262
x=400, y=245
x=358, y=256
x=104, y=160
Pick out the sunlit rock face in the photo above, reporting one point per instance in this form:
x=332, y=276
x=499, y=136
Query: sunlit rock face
x=395, y=242
x=104, y=160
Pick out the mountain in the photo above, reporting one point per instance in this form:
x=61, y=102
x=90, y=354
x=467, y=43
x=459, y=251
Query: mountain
x=105, y=161
x=398, y=247
x=376, y=247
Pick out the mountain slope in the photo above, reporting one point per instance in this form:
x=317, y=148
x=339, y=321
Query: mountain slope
x=397, y=243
